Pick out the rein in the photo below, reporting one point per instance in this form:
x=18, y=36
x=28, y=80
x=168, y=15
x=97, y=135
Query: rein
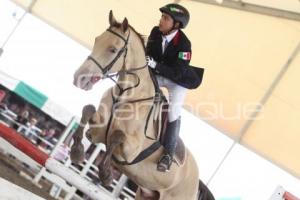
x=105, y=69
x=158, y=98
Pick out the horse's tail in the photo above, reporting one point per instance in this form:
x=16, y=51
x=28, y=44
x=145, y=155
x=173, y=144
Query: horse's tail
x=204, y=193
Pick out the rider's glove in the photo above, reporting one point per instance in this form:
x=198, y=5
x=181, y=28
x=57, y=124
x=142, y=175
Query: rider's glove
x=151, y=62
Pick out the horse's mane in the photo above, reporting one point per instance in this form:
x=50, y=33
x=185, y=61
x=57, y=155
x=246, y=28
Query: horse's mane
x=140, y=36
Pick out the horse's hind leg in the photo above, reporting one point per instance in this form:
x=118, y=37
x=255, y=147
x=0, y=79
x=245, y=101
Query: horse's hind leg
x=77, y=149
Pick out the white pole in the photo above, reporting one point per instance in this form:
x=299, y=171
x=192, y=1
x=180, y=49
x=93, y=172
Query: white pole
x=79, y=182
x=120, y=185
x=27, y=10
x=92, y=158
x=87, y=166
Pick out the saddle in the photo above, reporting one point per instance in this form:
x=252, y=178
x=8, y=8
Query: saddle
x=161, y=119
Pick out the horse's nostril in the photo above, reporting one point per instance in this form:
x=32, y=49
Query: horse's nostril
x=81, y=81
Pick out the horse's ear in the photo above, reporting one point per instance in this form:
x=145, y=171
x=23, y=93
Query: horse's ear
x=112, y=19
x=125, y=24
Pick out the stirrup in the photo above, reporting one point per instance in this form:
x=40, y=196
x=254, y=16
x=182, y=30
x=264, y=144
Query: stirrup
x=164, y=163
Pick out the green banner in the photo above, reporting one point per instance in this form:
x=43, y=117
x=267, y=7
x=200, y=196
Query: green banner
x=30, y=94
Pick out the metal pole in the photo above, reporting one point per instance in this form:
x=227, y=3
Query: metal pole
x=255, y=8
x=27, y=10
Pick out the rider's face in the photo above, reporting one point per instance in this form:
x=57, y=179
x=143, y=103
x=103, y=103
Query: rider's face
x=165, y=23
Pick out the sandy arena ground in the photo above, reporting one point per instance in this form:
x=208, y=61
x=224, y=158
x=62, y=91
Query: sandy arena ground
x=10, y=170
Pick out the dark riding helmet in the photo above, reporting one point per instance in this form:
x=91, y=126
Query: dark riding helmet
x=178, y=13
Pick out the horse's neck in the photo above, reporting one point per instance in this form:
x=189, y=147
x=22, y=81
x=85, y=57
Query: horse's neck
x=136, y=59
x=143, y=81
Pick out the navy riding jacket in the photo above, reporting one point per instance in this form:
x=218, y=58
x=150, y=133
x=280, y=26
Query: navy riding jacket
x=174, y=62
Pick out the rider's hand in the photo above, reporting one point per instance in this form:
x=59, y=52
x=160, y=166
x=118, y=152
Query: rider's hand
x=151, y=62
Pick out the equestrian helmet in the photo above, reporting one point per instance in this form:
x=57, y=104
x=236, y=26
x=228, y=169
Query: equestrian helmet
x=177, y=12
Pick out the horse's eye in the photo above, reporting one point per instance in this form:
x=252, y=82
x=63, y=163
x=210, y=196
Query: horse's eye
x=112, y=50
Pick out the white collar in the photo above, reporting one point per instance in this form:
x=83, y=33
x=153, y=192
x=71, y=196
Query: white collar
x=170, y=36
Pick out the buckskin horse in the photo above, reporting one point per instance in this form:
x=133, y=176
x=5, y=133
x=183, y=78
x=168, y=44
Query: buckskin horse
x=127, y=119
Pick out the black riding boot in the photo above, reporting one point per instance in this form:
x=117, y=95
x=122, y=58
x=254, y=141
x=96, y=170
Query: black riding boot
x=169, y=143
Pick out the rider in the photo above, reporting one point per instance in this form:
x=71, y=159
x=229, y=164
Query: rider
x=168, y=54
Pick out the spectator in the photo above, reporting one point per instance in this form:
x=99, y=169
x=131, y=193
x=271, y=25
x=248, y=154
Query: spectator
x=3, y=107
x=30, y=129
x=3, y=110
x=22, y=119
x=48, y=135
x=2, y=95
x=14, y=108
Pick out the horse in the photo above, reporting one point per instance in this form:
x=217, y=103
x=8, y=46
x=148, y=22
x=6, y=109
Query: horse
x=122, y=122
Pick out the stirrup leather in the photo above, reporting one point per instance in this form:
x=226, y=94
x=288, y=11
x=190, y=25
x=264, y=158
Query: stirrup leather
x=164, y=163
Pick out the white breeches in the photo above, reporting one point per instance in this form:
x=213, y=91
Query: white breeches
x=176, y=96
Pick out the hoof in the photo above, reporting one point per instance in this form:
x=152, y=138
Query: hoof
x=88, y=111
x=77, y=153
x=105, y=177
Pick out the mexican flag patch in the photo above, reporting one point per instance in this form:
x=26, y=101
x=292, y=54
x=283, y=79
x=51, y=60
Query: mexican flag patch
x=184, y=55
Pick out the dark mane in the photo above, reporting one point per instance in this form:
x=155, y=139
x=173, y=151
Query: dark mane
x=140, y=36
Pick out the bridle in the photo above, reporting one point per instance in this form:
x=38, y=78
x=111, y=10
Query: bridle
x=157, y=98
x=108, y=67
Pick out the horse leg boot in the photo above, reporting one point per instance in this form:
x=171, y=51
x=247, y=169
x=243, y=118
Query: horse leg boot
x=77, y=149
x=169, y=143
x=105, y=171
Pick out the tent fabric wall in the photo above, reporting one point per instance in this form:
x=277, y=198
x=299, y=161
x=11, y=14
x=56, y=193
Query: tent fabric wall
x=57, y=111
x=280, y=139
x=289, y=5
x=242, y=54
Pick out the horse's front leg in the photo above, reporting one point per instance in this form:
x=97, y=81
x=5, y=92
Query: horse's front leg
x=77, y=149
x=105, y=168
